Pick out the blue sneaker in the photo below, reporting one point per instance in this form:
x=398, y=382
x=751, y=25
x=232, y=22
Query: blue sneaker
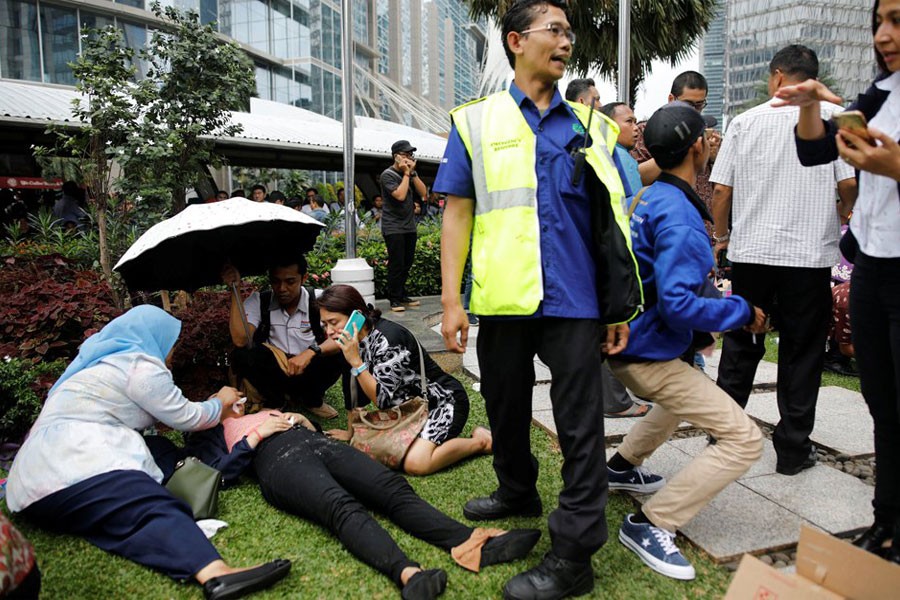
x=637, y=479
x=656, y=547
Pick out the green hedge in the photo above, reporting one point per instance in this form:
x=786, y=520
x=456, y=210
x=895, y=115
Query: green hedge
x=424, y=277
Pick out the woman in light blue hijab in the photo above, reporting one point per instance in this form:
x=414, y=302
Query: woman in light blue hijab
x=86, y=470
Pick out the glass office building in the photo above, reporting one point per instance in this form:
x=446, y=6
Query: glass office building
x=712, y=65
x=410, y=55
x=839, y=31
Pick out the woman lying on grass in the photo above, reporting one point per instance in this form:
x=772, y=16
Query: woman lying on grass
x=85, y=470
x=385, y=357
x=303, y=472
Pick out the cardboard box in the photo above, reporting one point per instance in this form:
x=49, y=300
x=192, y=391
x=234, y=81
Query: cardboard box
x=827, y=568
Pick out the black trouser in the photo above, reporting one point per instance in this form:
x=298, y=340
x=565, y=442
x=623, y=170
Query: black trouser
x=401, y=250
x=799, y=301
x=260, y=367
x=875, y=323
x=571, y=349
x=331, y=483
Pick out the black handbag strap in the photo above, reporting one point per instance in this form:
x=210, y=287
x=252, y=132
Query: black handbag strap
x=354, y=394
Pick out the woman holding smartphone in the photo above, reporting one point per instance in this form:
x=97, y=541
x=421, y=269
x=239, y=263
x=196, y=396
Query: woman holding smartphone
x=384, y=356
x=875, y=227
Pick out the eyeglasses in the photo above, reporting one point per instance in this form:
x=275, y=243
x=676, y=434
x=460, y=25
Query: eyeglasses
x=555, y=28
x=698, y=106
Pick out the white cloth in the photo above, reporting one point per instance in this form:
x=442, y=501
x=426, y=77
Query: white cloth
x=90, y=425
x=211, y=527
x=876, y=215
x=783, y=213
x=292, y=333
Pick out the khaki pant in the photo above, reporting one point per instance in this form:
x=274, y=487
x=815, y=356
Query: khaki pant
x=682, y=393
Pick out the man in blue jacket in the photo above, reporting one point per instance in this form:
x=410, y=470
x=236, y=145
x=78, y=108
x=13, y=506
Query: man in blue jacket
x=674, y=258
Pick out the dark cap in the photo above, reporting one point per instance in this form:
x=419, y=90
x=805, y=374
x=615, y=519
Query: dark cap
x=673, y=128
x=402, y=146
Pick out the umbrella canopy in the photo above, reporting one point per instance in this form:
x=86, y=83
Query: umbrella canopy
x=188, y=251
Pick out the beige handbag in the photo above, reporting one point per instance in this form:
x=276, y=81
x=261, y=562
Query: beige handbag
x=386, y=434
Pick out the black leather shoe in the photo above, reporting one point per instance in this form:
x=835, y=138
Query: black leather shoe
x=238, y=585
x=874, y=538
x=808, y=463
x=493, y=507
x=510, y=546
x=553, y=579
x=425, y=585
x=893, y=553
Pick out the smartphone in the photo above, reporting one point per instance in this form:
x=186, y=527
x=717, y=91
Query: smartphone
x=853, y=120
x=356, y=318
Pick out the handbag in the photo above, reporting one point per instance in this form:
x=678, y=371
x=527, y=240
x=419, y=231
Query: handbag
x=386, y=434
x=198, y=485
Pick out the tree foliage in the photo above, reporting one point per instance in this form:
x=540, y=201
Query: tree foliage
x=660, y=29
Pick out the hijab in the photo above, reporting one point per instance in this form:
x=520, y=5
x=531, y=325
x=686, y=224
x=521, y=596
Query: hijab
x=144, y=329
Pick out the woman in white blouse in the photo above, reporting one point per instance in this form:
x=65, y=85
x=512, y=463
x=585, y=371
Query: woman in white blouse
x=85, y=469
x=873, y=245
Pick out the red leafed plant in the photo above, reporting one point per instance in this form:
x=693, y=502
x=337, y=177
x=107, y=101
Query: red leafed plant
x=48, y=307
x=200, y=364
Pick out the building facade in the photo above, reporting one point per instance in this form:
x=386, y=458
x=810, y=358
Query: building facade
x=413, y=59
x=712, y=64
x=839, y=31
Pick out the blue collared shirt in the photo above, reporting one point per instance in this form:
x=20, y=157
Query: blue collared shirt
x=628, y=171
x=564, y=214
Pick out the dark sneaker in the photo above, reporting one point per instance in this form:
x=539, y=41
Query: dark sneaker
x=493, y=507
x=425, y=585
x=841, y=367
x=554, y=578
x=637, y=479
x=473, y=320
x=397, y=307
x=808, y=463
x=656, y=547
x=407, y=301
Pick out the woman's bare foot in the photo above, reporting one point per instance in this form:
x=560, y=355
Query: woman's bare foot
x=217, y=568
x=484, y=435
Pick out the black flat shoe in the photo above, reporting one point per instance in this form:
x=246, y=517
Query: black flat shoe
x=553, y=579
x=238, y=585
x=493, y=507
x=510, y=546
x=425, y=585
x=873, y=539
x=808, y=463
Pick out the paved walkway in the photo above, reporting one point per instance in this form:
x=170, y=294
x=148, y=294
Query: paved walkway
x=762, y=511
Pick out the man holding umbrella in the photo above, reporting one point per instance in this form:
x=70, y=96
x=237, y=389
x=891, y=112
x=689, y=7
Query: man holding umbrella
x=283, y=351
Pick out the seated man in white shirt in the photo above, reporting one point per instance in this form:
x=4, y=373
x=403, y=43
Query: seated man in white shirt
x=288, y=322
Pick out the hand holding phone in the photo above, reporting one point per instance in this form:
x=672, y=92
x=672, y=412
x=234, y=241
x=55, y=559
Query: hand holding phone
x=356, y=318
x=854, y=121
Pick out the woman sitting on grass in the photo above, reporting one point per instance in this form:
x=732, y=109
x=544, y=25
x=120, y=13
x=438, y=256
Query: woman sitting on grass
x=301, y=471
x=85, y=470
x=385, y=357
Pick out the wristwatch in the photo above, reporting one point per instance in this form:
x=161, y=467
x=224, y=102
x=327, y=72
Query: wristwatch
x=359, y=370
x=317, y=350
x=413, y=174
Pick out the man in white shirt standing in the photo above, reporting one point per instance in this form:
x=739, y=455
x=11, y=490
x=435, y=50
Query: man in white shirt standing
x=783, y=239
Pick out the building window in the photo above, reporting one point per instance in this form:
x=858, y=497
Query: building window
x=20, y=56
x=59, y=36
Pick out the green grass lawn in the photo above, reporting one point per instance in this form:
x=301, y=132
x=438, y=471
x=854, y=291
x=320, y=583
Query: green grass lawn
x=257, y=532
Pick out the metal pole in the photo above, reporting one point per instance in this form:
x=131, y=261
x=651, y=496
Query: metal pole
x=348, y=102
x=625, y=51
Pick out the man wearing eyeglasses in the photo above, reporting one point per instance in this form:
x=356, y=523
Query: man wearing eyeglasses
x=691, y=88
x=399, y=186
x=536, y=191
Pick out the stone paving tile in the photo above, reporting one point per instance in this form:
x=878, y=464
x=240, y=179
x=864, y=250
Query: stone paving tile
x=544, y=420
x=764, y=466
x=843, y=422
x=830, y=499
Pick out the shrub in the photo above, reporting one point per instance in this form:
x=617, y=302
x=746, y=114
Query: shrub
x=23, y=389
x=200, y=364
x=48, y=307
x=424, y=278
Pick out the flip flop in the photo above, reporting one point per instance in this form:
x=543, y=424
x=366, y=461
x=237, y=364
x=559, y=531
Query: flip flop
x=635, y=410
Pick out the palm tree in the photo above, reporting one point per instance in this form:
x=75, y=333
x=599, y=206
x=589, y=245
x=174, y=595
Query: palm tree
x=660, y=30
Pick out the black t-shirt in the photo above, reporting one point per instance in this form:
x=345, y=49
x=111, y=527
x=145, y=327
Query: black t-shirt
x=396, y=216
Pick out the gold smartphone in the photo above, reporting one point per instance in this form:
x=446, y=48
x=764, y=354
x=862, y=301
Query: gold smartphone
x=855, y=121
